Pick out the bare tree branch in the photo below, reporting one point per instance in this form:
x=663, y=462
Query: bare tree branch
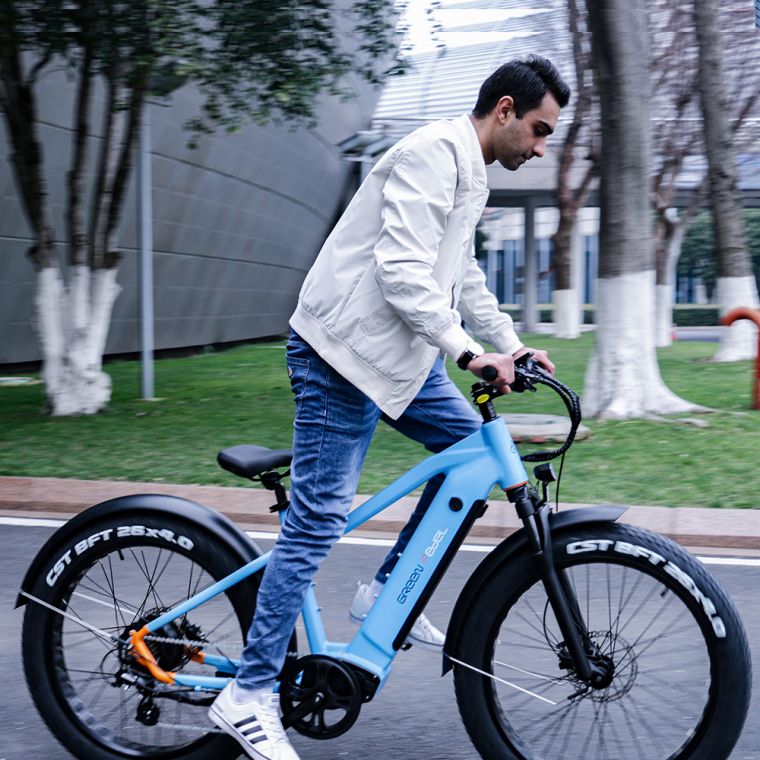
x=38, y=66
x=75, y=220
x=121, y=173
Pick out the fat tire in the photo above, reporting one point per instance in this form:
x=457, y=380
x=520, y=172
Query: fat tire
x=730, y=662
x=38, y=647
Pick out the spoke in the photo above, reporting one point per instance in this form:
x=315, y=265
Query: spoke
x=572, y=712
x=653, y=591
x=632, y=730
x=674, y=704
x=151, y=576
x=110, y=583
x=649, y=675
x=545, y=647
x=600, y=725
x=519, y=698
x=651, y=735
x=98, y=589
x=106, y=604
x=611, y=724
x=609, y=596
x=588, y=597
x=230, y=615
x=641, y=650
x=584, y=750
x=95, y=700
x=539, y=631
x=97, y=673
x=540, y=676
x=553, y=735
x=560, y=709
x=73, y=616
x=623, y=604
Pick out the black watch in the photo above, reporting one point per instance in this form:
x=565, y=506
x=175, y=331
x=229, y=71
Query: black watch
x=465, y=358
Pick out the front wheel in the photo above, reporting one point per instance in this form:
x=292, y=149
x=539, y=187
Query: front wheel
x=667, y=635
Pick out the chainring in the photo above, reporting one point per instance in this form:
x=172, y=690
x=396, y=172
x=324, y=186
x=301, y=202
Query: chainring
x=320, y=697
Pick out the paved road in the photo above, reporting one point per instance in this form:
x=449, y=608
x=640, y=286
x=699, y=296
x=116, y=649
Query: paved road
x=414, y=718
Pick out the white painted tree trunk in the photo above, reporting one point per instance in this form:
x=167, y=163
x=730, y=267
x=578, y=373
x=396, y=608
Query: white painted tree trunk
x=567, y=311
x=740, y=340
x=664, y=315
x=623, y=379
x=665, y=296
x=73, y=325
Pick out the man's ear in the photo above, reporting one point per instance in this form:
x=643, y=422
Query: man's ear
x=504, y=107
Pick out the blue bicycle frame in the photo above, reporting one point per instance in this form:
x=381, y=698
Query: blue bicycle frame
x=472, y=467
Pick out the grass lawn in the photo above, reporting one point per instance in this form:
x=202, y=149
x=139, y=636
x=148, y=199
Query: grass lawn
x=211, y=401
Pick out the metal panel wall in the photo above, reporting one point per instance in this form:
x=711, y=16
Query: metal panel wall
x=237, y=222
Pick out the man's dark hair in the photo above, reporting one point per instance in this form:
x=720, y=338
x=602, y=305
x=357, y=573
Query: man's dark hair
x=526, y=80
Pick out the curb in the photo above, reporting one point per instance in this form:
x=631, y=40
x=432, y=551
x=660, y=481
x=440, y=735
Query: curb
x=720, y=528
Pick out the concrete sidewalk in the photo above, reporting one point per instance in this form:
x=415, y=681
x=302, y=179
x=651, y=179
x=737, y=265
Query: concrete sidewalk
x=722, y=528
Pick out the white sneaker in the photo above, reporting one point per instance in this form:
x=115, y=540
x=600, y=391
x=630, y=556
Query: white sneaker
x=255, y=724
x=424, y=634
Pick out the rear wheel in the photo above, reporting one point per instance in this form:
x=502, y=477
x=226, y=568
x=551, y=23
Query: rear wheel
x=115, y=577
x=670, y=640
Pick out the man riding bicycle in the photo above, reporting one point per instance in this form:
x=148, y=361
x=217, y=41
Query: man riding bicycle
x=379, y=309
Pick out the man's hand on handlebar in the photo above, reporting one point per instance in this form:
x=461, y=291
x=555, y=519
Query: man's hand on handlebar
x=505, y=365
x=539, y=357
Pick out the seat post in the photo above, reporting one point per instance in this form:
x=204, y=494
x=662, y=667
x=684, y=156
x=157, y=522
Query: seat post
x=272, y=481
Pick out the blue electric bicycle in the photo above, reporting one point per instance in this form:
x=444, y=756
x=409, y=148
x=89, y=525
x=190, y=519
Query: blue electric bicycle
x=577, y=637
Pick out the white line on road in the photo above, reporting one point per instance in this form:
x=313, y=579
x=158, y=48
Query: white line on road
x=32, y=522
x=44, y=522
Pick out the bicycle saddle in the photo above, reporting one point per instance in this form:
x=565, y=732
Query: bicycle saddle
x=248, y=460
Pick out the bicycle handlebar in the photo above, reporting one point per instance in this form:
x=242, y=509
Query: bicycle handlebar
x=528, y=374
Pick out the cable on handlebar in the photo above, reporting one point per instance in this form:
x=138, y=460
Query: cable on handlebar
x=528, y=374
x=572, y=404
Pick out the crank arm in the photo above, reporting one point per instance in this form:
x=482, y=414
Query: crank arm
x=307, y=706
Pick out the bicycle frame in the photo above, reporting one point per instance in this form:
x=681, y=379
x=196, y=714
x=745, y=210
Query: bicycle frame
x=471, y=468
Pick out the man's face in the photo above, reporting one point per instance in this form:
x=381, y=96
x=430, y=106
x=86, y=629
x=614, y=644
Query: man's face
x=518, y=140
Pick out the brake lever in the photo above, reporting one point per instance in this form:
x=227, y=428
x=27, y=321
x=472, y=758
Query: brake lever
x=524, y=368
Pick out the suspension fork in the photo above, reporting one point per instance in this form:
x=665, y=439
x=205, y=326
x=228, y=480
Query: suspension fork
x=535, y=518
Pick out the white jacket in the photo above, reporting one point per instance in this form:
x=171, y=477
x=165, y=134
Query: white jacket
x=393, y=281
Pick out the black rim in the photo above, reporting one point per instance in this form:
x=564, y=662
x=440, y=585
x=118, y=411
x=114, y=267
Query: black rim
x=663, y=673
x=115, y=592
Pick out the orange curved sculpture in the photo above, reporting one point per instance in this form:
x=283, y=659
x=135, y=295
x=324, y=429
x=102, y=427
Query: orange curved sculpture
x=743, y=312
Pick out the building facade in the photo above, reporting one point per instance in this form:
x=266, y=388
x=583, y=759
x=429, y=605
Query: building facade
x=237, y=222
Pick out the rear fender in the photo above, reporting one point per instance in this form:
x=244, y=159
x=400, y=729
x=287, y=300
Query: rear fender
x=503, y=554
x=242, y=548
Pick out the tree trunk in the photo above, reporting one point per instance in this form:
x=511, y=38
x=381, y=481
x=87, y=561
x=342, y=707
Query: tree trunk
x=668, y=253
x=72, y=325
x=740, y=340
x=566, y=299
x=623, y=378
x=736, y=282
x=566, y=305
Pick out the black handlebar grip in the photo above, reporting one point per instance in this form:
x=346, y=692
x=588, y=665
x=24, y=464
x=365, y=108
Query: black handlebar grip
x=490, y=373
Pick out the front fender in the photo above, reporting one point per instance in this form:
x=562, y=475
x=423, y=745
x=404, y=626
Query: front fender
x=502, y=555
x=222, y=528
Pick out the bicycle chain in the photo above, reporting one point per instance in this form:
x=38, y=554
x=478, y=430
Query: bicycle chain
x=190, y=642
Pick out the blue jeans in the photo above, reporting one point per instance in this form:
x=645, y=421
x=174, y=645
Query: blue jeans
x=334, y=424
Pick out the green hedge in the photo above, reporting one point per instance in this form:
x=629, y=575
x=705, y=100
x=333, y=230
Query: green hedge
x=684, y=315
x=696, y=315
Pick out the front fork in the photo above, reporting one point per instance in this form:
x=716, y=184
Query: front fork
x=534, y=514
